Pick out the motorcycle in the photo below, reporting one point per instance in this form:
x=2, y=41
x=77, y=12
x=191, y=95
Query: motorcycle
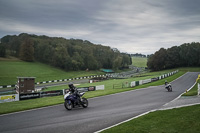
x=168, y=86
x=72, y=101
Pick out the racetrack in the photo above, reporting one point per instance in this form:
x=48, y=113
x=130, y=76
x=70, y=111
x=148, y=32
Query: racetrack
x=102, y=111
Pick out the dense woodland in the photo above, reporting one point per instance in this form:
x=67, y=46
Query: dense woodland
x=185, y=55
x=67, y=54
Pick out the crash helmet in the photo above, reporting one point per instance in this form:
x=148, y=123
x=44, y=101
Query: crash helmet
x=71, y=85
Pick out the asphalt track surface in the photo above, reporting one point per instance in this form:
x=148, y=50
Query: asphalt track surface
x=102, y=111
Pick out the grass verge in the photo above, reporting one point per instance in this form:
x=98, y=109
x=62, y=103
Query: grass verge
x=193, y=91
x=30, y=104
x=181, y=120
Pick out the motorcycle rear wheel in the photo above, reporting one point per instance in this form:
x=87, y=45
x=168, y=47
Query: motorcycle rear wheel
x=170, y=89
x=84, y=102
x=68, y=105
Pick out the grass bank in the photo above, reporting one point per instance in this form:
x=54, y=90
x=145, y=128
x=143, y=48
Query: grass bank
x=30, y=104
x=181, y=120
x=10, y=70
x=139, y=61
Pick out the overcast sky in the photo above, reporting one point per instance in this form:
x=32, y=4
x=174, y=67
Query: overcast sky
x=133, y=26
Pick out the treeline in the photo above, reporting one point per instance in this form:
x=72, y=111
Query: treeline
x=186, y=55
x=67, y=54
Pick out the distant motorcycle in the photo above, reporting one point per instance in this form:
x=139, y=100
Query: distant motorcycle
x=168, y=86
x=72, y=101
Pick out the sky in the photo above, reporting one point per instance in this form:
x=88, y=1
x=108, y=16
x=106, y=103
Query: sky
x=132, y=26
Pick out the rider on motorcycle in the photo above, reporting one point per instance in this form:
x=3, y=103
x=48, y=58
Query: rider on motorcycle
x=168, y=86
x=74, y=91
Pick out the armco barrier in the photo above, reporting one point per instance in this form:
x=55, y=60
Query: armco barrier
x=155, y=79
x=136, y=83
x=146, y=81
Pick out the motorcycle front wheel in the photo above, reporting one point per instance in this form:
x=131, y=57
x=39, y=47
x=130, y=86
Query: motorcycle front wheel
x=68, y=104
x=84, y=102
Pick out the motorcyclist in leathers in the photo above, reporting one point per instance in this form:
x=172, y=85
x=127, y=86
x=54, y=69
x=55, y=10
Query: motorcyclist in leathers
x=74, y=90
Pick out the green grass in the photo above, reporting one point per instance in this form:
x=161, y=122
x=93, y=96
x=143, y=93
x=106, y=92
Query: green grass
x=10, y=70
x=193, y=91
x=139, y=61
x=181, y=120
x=30, y=104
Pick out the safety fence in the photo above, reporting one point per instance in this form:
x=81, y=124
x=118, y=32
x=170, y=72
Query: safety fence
x=18, y=97
x=141, y=82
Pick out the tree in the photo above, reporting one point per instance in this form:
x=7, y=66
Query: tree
x=117, y=62
x=150, y=64
x=27, y=50
x=78, y=62
x=2, y=51
x=60, y=57
x=160, y=59
x=67, y=54
x=186, y=55
x=173, y=57
x=126, y=60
